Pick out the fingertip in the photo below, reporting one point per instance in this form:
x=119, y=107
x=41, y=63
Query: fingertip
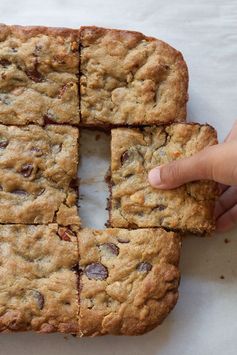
x=154, y=177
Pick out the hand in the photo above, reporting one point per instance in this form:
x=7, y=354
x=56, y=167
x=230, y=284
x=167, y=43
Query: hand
x=218, y=163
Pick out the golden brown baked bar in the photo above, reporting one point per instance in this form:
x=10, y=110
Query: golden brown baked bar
x=129, y=279
x=39, y=69
x=38, y=289
x=37, y=168
x=130, y=79
x=134, y=203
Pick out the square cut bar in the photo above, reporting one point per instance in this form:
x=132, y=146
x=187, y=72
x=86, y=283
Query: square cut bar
x=134, y=203
x=129, y=279
x=38, y=167
x=38, y=289
x=39, y=68
x=127, y=78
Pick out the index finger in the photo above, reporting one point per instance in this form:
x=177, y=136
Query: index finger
x=233, y=133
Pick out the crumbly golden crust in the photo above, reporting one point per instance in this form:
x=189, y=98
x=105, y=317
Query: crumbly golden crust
x=38, y=289
x=134, y=203
x=37, y=167
x=39, y=68
x=129, y=79
x=129, y=279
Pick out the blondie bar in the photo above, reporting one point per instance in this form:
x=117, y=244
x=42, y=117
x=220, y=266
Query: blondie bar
x=129, y=79
x=38, y=289
x=37, y=168
x=39, y=68
x=129, y=279
x=134, y=203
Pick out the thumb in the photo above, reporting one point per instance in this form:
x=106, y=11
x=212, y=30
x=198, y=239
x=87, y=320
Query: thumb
x=207, y=164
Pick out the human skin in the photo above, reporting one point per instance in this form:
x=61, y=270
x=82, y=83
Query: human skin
x=218, y=163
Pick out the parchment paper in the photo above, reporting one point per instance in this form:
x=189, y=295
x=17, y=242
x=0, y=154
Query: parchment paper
x=204, y=321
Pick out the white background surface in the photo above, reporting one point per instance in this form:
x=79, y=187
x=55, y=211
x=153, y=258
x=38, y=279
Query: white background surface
x=204, y=321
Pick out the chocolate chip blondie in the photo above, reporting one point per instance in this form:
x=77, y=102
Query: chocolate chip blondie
x=38, y=289
x=134, y=203
x=130, y=79
x=39, y=68
x=129, y=279
x=38, y=166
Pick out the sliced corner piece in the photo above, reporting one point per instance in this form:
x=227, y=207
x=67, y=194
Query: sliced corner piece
x=129, y=279
x=38, y=290
x=127, y=78
x=39, y=68
x=134, y=203
x=38, y=166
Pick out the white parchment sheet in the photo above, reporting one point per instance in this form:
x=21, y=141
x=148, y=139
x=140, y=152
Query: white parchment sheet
x=204, y=321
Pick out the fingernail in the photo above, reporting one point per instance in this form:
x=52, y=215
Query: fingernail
x=154, y=177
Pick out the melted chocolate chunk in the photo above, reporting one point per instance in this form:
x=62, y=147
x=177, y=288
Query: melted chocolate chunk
x=123, y=240
x=65, y=234
x=19, y=192
x=34, y=74
x=48, y=119
x=41, y=192
x=26, y=170
x=96, y=271
x=4, y=62
x=144, y=267
x=39, y=299
x=161, y=207
x=3, y=143
x=124, y=156
x=74, y=184
x=110, y=248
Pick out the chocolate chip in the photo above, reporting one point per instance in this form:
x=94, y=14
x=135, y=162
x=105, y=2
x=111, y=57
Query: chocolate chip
x=19, y=192
x=124, y=156
x=3, y=143
x=74, y=184
x=110, y=248
x=34, y=74
x=39, y=298
x=66, y=234
x=26, y=170
x=48, y=119
x=144, y=267
x=123, y=240
x=4, y=62
x=40, y=192
x=161, y=207
x=96, y=271
x=38, y=152
x=1, y=188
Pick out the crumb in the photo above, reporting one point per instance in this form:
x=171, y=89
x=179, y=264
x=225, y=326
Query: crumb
x=65, y=337
x=226, y=240
x=97, y=137
x=222, y=277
